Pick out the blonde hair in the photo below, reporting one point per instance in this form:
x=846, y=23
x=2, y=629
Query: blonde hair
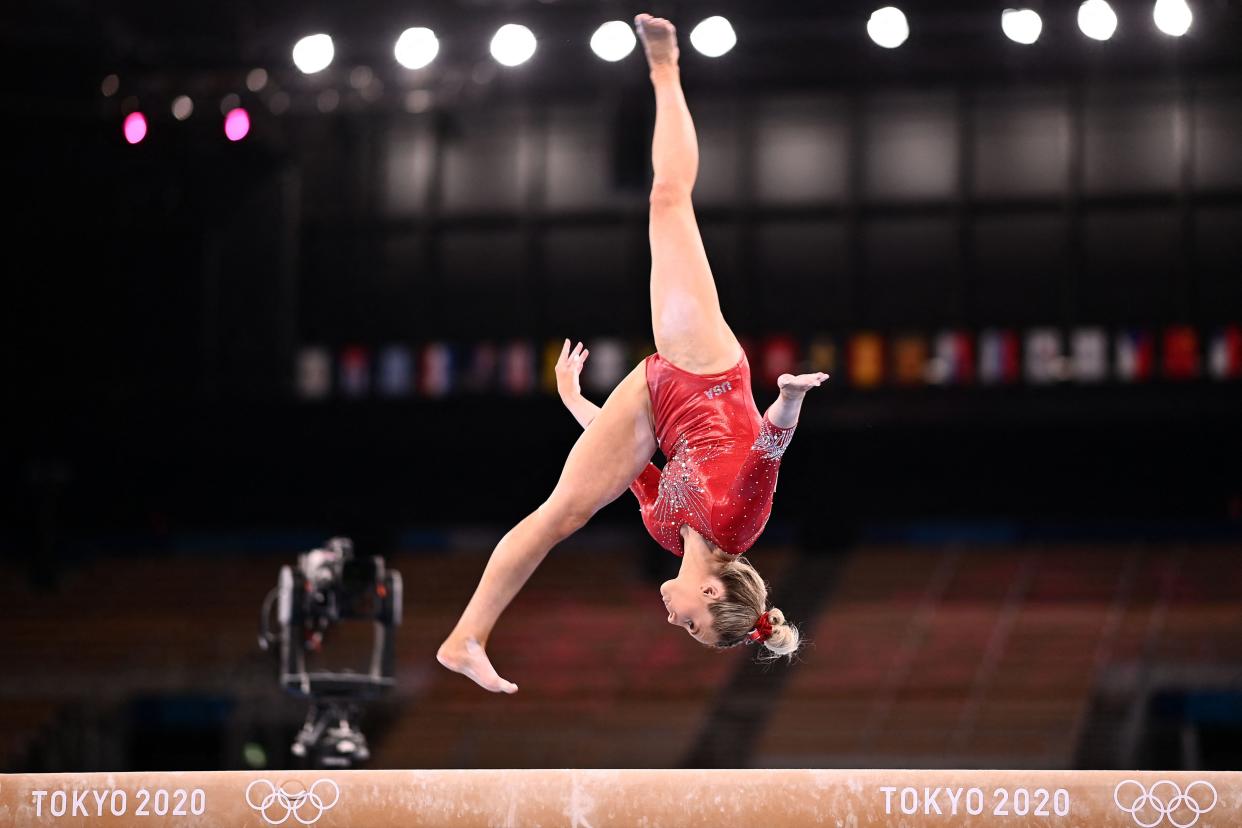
x=745, y=598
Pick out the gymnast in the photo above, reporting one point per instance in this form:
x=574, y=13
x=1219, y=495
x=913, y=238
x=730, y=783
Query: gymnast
x=692, y=399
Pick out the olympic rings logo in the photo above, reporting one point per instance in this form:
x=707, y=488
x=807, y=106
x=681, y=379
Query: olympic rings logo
x=1164, y=806
x=293, y=803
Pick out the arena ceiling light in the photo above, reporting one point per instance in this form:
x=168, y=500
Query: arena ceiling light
x=256, y=80
x=888, y=27
x=1097, y=20
x=135, y=127
x=313, y=53
x=279, y=102
x=1021, y=25
x=236, y=124
x=613, y=41
x=327, y=101
x=513, y=44
x=1173, y=17
x=713, y=37
x=182, y=107
x=416, y=47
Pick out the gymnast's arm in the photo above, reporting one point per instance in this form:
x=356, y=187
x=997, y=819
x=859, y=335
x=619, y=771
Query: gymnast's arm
x=568, y=366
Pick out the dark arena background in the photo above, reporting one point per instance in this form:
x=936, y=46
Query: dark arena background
x=251, y=308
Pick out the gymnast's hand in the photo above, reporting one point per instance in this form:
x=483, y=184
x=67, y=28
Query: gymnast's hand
x=784, y=412
x=792, y=386
x=568, y=368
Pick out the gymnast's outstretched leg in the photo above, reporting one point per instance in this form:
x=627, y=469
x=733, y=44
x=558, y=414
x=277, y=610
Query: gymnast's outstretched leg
x=689, y=329
x=601, y=465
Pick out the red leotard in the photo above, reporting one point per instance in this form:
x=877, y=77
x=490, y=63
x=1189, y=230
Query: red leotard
x=723, y=458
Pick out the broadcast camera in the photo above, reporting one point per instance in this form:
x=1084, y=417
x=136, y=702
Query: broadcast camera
x=328, y=586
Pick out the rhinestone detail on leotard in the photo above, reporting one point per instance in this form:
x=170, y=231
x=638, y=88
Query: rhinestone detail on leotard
x=683, y=496
x=771, y=442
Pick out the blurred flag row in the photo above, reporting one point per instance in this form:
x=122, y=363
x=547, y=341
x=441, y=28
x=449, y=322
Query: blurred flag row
x=862, y=359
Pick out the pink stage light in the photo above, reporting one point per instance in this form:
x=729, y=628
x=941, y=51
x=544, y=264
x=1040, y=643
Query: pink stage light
x=236, y=124
x=135, y=127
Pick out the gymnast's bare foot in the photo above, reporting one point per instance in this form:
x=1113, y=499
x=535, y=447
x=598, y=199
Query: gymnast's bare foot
x=466, y=656
x=659, y=40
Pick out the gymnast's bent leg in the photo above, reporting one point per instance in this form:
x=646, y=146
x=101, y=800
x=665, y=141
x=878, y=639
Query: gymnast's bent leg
x=607, y=457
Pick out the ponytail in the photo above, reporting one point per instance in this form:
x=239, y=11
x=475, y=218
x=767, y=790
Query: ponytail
x=784, y=637
x=739, y=616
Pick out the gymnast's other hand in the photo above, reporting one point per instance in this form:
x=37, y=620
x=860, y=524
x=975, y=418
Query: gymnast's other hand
x=795, y=386
x=466, y=656
x=568, y=368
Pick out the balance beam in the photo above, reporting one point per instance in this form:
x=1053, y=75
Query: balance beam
x=598, y=798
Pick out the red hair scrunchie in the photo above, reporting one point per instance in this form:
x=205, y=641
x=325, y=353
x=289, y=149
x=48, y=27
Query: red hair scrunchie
x=763, y=629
